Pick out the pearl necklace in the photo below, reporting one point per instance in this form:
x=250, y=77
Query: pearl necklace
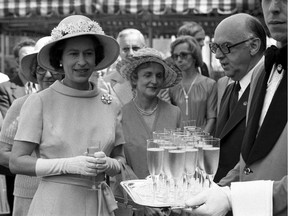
x=143, y=112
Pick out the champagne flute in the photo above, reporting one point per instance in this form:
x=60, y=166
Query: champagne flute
x=93, y=146
x=155, y=154
x=190, y=160
x=211, y=152
x=176, y=161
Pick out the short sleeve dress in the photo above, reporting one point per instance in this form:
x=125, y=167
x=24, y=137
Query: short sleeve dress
x=202, y=100
x=63, y=122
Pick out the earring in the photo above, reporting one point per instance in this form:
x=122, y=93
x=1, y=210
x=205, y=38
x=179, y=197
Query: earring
x=60, y=65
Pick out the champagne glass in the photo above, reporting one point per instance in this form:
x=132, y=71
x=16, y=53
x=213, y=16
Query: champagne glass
x=211, y=152
x=93, y=146
x=190, y=160
x=176, y=162
x=155, y=154
x=189, y=126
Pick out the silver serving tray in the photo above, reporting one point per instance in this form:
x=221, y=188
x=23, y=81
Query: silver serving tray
x=140, y=191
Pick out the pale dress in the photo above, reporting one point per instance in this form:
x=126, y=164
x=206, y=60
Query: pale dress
x=63, y=123
x=202, y=100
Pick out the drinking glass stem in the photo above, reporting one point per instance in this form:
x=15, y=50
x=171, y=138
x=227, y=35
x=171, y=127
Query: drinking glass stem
x=154, y=180
x=210, y=179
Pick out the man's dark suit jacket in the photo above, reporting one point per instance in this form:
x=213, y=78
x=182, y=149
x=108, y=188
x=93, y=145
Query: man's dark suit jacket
x=231, y=132
x=9, y=91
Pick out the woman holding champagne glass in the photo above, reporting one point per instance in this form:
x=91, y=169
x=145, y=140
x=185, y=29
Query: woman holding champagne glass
x=66, y=116
x=148, y=73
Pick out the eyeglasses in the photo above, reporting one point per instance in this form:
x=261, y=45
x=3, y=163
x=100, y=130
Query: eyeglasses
x=182, y=55
x=225, y=48
x=127, y=49
x=42, y=71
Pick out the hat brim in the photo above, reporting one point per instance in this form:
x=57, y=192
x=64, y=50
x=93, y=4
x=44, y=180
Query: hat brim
x=172, y=75
x=110, y=46
x=26, y=65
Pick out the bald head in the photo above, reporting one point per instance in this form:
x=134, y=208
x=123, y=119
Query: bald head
x=239, y=44
x=130, y=40
x=239, y=27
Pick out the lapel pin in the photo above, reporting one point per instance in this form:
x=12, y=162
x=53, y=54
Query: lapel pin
x=245, y=103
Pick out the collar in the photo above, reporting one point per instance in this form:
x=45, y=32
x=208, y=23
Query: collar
x=245, y=81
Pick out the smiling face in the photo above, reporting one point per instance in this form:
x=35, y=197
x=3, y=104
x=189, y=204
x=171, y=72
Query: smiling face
x=46, y=78
x=275, y=14
x=78, y=60
x=150, y=79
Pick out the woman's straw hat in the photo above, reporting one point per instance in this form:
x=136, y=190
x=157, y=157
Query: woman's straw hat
x=29, y=62
x=78, y=25
x=172, y=74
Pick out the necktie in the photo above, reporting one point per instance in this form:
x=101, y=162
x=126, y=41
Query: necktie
x=234, y=97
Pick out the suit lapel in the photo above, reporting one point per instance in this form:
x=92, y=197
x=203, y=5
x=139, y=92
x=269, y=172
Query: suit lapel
x=272, y=125
x=238, y=114
x=17, y=87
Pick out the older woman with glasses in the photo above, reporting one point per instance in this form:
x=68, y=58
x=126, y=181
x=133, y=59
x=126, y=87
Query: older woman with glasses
x=25, y=186
x=196, y=95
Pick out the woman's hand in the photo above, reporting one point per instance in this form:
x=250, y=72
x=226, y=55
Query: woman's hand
x=106, y=164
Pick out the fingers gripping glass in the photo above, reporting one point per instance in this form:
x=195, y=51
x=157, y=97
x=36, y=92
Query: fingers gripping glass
x=182, y=55
x=225, y=48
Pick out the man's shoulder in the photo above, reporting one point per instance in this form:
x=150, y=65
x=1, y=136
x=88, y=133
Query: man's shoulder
x=113, y=77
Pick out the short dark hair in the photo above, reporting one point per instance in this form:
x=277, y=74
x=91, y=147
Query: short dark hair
x=23, y=43
x=256, y=27
x=57, y=49
x=193, y=46
x=191, y=28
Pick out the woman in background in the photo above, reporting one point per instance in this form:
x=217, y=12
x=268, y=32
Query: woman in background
x=196, y=95
x=25, y=186
x=147, y=73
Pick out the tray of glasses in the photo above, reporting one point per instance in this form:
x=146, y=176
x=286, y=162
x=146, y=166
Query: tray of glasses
x=141, y=193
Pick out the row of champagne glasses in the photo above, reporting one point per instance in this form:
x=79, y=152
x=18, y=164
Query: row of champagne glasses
x=181, y=155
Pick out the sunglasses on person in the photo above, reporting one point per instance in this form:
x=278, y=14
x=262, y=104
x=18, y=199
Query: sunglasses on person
x=225, y=47
x=182, y=55
x=42, y=71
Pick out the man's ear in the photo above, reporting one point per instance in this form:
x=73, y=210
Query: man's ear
x=255, y=46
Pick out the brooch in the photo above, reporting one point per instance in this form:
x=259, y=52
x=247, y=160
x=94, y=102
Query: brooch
x=106, y=99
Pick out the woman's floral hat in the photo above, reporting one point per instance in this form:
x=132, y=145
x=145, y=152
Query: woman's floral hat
x=79, y=25
x=172, y=74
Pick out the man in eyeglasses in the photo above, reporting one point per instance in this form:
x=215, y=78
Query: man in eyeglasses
x=262, y=169
x=239, y=45
x=130, y=40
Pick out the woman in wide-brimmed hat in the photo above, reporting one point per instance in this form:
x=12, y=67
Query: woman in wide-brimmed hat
x=25, y=186
x=68, y=117
x=148, y=73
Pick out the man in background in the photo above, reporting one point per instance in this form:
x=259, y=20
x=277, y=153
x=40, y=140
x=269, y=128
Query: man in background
x=239, y=45
x=262, y=169
x=130, y=40
x=9, y=91
x=15, y=87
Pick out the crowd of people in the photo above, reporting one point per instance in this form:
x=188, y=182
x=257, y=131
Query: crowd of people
x=54, y=113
